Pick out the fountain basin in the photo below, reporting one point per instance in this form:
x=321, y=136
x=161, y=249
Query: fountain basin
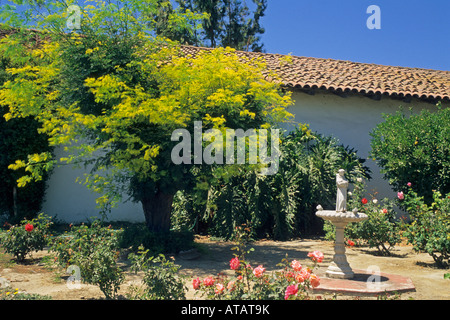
x=341, y=217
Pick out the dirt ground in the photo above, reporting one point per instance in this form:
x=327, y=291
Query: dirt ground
x=35, y=277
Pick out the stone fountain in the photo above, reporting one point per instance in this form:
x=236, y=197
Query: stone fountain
x=340, y=217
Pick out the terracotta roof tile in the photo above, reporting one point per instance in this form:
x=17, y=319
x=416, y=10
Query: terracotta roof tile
x=347, y=76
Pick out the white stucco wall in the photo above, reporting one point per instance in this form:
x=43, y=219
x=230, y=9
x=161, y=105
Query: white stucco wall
x=70, y=201
x=348, y=119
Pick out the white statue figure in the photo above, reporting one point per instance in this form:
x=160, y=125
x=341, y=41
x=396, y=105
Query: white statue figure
x=341, y=197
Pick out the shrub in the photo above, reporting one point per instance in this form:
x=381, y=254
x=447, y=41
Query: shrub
x=415, y=149
x=282, y=205
x=28, y=236
x=95, y=250
x=429, y=230
x=161, y=278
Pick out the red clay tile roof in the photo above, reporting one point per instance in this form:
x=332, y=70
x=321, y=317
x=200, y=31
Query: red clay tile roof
x=346, y=76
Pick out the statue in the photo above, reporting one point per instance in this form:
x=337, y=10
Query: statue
x=341, y=197
x=340, y=268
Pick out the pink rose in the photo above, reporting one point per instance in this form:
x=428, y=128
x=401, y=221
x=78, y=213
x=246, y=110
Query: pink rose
x=196, y=283
x=291, y=290
x=400, y=195
x=299, y=277
x=231, y=285
x=409, y=184
x=314, y=280
x=208, y=281
x=296, y=265
x=234, y=263
x=305, y=273
x=258, y=271
x=219, y=288
x=316, y=256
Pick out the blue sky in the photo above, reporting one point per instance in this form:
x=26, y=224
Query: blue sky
x=413, y=33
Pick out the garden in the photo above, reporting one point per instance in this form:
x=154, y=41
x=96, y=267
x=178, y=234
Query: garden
x=111, y=95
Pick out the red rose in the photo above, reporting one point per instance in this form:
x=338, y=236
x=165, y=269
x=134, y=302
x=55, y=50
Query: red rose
x=350, y=243
x=29, y=227
x=364, y=200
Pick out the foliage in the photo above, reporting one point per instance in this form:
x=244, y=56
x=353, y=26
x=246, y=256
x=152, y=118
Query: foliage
x=161, y=277
x=429, y=230
x=229, y=23
x=95, y=250
x=29, y=235
x=281, y=205
x=290, y=282
x=381, y=230
x=18, y=139
x=103, y=93
x=137, y=235
x=415, y=149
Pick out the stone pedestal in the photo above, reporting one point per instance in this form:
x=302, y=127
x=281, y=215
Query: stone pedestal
x=340, y=268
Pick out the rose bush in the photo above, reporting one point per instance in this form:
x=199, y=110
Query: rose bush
x=162, y=280
x=381, y=230
x=29, y=235
x=291, y=281
x=94, y=248
x=429, y=230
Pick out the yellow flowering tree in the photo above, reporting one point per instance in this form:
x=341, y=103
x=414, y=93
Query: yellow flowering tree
x=112, y=94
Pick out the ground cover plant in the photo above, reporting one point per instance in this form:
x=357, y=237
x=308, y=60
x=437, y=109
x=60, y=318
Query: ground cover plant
x=15, y=294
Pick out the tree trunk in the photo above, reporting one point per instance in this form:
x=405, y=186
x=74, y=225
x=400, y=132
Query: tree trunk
x=157, y=208
x=15, y=212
